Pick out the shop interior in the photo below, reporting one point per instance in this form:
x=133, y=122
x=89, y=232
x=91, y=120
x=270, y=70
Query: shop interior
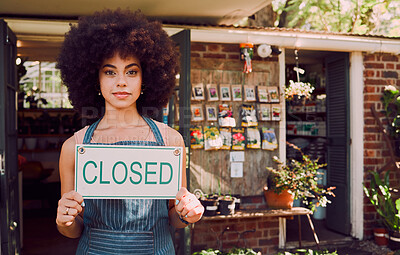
x=46, y=120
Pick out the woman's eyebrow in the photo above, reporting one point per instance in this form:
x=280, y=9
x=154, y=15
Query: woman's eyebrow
x=109, y=65
x=130, y=65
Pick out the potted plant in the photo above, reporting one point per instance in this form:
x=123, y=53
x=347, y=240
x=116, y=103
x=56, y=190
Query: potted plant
x=226, y=205
x=381, y=196
x=298, y=180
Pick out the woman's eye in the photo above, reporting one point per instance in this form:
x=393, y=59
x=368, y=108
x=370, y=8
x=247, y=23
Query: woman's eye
x=109, y=72
x=131, y=72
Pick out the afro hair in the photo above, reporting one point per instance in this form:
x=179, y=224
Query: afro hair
x=128, y=33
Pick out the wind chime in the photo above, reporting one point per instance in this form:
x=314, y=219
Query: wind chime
x=246, y=54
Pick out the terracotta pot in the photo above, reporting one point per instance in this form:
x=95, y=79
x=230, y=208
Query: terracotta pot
x=381, y=236
x=284, y=200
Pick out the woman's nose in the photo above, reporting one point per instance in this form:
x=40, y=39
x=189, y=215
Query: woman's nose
x=121, y=82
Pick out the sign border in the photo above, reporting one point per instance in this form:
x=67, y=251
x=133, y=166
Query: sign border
x=126, y=147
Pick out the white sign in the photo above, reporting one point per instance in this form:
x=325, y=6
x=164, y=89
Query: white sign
x=236, y=156
x=120, y=171
x=236, y=169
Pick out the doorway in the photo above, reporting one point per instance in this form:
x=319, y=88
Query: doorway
x=320, y=127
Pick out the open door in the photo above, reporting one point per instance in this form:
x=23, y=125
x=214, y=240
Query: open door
x=338, y=135
x=9, y=195
x=182, y=40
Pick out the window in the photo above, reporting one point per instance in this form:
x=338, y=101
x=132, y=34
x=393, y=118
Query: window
x=41, y=86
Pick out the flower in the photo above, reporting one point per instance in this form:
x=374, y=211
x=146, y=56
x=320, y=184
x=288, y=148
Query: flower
x=391, y=105
x=300, y=178
x=298, y=89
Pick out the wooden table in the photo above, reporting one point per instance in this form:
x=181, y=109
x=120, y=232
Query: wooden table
x=282, y=214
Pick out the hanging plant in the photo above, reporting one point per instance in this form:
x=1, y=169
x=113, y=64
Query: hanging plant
x=298, y=90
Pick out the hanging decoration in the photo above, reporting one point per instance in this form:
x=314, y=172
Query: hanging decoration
x=246, y=54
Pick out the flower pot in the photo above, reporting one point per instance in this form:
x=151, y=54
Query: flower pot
x=394, y=240
x=284, y=200
x=226, y=206
x=210, y=206
x=381, y=236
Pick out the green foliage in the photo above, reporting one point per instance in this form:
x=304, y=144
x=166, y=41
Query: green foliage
x=355, y=16
x=301, y=179
x=308, y=252
x=391, y=106
x=380, y=195
x=233, y=251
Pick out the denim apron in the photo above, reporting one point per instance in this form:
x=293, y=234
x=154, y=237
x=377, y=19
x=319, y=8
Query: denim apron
x=126, y=226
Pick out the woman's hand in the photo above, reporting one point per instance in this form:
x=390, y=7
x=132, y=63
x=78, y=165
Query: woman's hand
x=69, y=206
x=188, y=206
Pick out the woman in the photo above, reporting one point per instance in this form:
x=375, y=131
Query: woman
x=119, y=63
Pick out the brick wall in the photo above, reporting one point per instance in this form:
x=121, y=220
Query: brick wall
x=219, y=64
x=380, y=70
x=260, y=234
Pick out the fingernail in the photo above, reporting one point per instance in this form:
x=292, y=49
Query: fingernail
x=83, y=204
x=176, y=202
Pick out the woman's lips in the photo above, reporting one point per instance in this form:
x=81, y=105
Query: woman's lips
x=121, y=95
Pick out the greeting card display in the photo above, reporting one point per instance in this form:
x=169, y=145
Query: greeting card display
x=276, y=112
x=236, y=92
x=238, y=139
x=226, y=137
x=225, y=116
x=225, y=92
x=269, y=141
x=273, y=94
x=264, y=112
x=212, y=92
x=249, y=93
x=211, y=113
x=248, y=115
x=262, y=92
x=253, y=138
x=197, y=112
x=196, y=137
x=212, y=138
x=198, y=91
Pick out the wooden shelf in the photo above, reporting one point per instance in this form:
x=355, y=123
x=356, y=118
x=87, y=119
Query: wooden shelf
x=307, y=136
x=43, y=135
x=39, y=150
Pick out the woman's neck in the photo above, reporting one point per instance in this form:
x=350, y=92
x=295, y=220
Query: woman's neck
x=121, y=118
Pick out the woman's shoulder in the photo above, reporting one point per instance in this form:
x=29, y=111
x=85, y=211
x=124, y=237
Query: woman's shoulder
x=171, y=136
x=80, y=134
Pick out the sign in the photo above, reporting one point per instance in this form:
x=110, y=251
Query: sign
x=115, y=171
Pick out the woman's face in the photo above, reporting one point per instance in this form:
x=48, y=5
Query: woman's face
x=120, y=81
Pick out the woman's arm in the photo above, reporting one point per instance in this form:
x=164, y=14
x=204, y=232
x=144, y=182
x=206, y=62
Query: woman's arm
x=69, y=221
x=186, y=206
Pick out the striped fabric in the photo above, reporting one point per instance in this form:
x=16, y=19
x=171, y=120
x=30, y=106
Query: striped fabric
x=126, y=226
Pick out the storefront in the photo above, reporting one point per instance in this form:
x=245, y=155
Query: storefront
x=219, y=83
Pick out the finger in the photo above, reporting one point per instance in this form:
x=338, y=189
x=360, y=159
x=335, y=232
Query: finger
x=72, y=204
x=197, y=211
x=73, y=195
x=188, y=207
x=181, y=193
x=73, y=212
x=66, y=220
x=184, y=201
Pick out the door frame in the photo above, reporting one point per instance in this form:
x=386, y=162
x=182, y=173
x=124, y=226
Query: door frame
x=10, y=220
x=357, y=144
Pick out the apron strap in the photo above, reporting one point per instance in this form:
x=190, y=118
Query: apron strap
x=89, y=132
x=155, y=130
x=157, y=134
